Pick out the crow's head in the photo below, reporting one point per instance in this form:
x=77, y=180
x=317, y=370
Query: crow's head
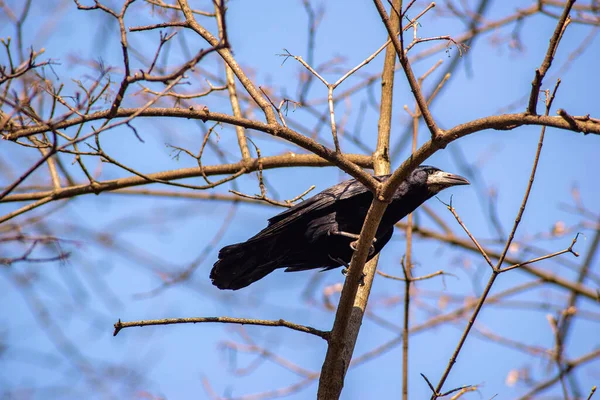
x=436, y=179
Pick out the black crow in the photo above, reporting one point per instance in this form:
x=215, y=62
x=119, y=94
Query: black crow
x=321, y=232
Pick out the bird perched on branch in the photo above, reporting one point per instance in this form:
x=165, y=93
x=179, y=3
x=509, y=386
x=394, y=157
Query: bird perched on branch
x=321, y=232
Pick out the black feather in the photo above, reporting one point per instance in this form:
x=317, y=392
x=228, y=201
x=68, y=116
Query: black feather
x=300, y=238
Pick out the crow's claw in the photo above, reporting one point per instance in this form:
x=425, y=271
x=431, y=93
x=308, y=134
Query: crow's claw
x=362, y=276
x=371, y=248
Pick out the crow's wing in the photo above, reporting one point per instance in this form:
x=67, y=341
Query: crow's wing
x=327, y=199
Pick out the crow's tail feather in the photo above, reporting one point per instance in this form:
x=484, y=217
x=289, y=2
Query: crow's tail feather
x=241, y=264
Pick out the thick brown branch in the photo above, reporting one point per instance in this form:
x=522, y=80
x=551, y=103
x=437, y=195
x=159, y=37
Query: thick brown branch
x=340, y=349
x=287, y=160
x=354, y=298
x=205, y=115
x=584, y=124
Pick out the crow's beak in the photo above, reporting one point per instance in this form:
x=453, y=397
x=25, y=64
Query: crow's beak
x=446, y=179
x=454, y=179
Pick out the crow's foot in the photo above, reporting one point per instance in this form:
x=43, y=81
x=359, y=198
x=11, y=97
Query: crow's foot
x=352, y=236
x=339, y=261
x=362, y=276
x=334, y=231
x=371, y=248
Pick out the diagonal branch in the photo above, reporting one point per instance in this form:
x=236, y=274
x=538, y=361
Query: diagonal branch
x=410, y=76
x=497, y=268
x=225, y=53
x=554, y=41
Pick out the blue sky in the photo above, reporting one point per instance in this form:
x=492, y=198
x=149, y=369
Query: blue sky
x=151, y=236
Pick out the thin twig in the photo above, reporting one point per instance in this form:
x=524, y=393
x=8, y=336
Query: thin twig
x=225, y=320
x=418, y=278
